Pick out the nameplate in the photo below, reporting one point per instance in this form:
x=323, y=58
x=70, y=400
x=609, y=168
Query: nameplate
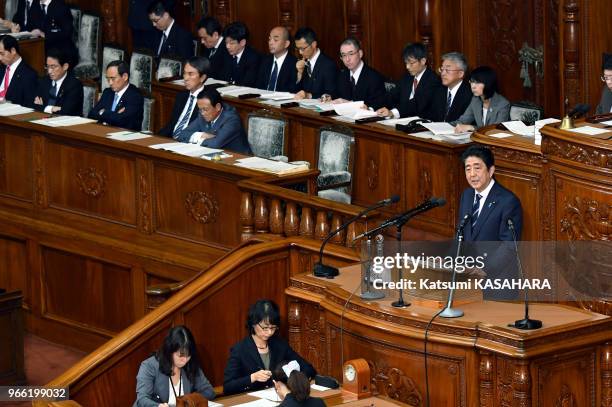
x=410, y=128
x=328, y=113
x=289, y=104
x=249, y=96
x=369, y=119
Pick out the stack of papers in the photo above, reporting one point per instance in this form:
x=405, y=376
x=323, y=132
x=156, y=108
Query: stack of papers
x=268, y=394
x=538, y=125
x=188, y=149
x=9, y=109
x=60, y=121
x=393, y=122
x=589, y=130
x=127, y=135
x=277, y=95
x=236, y=91
x=351, y=111
x=21, y=35
x=274, y=167
x=309, y=103
x=439, y=128
x=518, y=127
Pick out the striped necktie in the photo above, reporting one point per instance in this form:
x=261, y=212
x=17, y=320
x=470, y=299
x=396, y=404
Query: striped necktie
x=185, y=119
x=476, y=209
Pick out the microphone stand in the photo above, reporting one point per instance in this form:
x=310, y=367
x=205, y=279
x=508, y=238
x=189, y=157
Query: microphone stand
x=525, y=323
x=400, y=303
x=368, y=294
x=449, y=311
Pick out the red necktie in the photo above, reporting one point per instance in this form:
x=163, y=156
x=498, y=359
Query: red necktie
x=415, y=83
x=6, y=81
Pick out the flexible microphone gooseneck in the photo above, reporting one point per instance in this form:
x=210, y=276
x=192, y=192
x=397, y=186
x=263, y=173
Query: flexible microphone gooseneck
x=449, y=311
x=525, y=323
x=323, y=270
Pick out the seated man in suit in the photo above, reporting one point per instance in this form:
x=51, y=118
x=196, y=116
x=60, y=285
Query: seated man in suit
x=121, y=104
x=277, y=71
x=316, y=73
x=210, y=33
x=18, y=79
x=245, y=60
x=28, y=17
x=219, y=125
x=172, y=40
x=185, y=109
x=489, y=206
x=59, y=92
x=417, y=87
x=605, y=105
x=140, y=26
x=57, y=29
x=358, y=81
x=455, y=95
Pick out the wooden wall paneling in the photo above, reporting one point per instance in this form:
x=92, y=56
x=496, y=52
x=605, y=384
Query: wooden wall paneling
x=384, y=42
x=329, y=25
x=14, y=273
x=288, y=15
x=223, y=10
x=12, y=370
x=571, y=64
x=448, y=26
x=259, y=17
x=15, y=165
x=549, y=35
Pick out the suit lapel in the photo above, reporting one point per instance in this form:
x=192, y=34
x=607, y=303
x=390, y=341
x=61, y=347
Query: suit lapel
x=488, y=207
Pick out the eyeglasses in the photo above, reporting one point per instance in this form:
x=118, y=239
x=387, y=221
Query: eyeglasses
x=269, y=328
x=348, y=54
x=605, y=78
x=52, y=67
x=303, y=48
x=447, y=70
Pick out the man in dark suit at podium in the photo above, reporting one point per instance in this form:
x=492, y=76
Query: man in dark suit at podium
x=316, y=73
x=185, y=108
x=171, y=39
x=245, y=60
x=60, y=91
x=210, y=33
x=605, y=105
x=121, y=104
x=17, y=79
x=358, y=81
x=277, y=71
x=417, y=88
x=219, y=125
x=455, y=95
x=489, y=207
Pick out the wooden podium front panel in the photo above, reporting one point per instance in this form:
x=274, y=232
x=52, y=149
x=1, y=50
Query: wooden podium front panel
x=92, y=182
x=16, y=164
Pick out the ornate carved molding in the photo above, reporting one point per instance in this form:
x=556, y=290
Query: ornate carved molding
x=586, y=155
x=517, y=157
x=109, y=22
x=287, y=9
x=426, y=9
x=586, y=219
x=425, y=182
x=92, y=181
x=566, y=398
x=355, y=27
x=605, y=361
x=503, y=27
x=223, y=12
x=39, y=171
x=372, y=172
x=571, y=41
x=145, y=204
x=394, y=383
x=202, y=207
x=487, y=375
x=521, y=384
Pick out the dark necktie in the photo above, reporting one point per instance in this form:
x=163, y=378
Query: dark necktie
x=44, y=8
x=212, y=53
x=52, y=94
x=308, y=69
x=162, y=43
x=273, y=77
x=476, y=209
x=449, y=99
x=235, y=70
x=353, y=85
x=185, y=119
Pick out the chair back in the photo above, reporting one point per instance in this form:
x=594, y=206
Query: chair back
x=89, y=98
x=335, y=163
x=526, y=111
x=147, y=114
x=267, y=134
x=169, y=68
x=89, y=48
x=141, y=70
x=76, y=23
x=109, y=53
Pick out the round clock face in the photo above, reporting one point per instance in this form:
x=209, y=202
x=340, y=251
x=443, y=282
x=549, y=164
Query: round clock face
x=349, y=373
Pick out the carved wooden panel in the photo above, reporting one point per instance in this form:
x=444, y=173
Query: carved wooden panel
x=91, y=182
x=82, y=291
x=14, y=270
x=191, y=205
x=16, y=165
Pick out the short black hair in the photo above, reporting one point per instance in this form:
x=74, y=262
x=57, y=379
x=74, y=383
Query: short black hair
x=482, y=152
x=416, y=50
x=305, y=33
x=236, y=31
x=606, y=61
x=487, y=76
x=210, y=94
x=58, y=54
x=297, y=382
x=211, y=25
x=122, y=67
x=179, y=339
x=158, y=8
x=262, y=310
x=201, y=64
x=9, y=42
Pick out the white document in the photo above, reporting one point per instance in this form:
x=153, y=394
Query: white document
x=275, y=103
x=163, y=146
x=236, y=91
x=318, y=387
x=214, y=404
x=439, y=128
x=500, y=135
x=607, y=123
x=259, y=403
x=393, y=122
x=61, y=121
x=348, y=108
x=518, y=127
x=324, y=107
x=213, y=81
x=268, y=394
x=538, y=125
x=589, y=130
x=10, y=109
x=20, y=35
x=309, y=103
x=263, y=164
x=277, y=95
x=188, y=149
x=127, y=135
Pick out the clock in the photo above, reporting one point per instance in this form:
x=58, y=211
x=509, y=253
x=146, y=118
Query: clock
x=356, y=378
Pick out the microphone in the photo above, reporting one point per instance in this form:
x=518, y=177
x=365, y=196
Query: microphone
x=464, y=220
x=322, y=270
x=401, y=219
x=449, y=311
x=525, y=323
x=579, y=110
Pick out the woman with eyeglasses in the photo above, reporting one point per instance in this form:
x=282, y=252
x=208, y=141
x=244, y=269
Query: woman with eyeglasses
x=487, y=106
x=252, y=359
x=172, y=372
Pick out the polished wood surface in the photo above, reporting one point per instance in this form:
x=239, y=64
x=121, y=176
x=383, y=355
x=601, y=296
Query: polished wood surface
x=11, y=339
x=477, y=359
x=387, y=162
x=33, y=52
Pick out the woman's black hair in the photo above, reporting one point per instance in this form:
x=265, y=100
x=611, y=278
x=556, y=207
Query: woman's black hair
x=297, y=382
x=487, y=76
x=262, y=311
x=181, y=340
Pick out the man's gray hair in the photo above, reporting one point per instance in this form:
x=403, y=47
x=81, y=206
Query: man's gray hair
x=352, y=41
x=458, y=58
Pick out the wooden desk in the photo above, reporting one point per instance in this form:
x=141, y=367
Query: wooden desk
x=387, y=162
